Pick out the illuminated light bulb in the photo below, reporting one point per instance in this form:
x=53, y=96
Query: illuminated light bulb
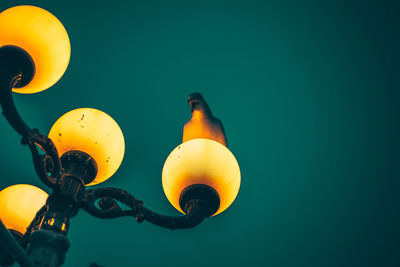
x=94, y=132
x=19, y=205
x=43, y=37
x=201, y=161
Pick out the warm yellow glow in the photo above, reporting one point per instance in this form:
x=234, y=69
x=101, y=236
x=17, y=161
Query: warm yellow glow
x=45, y=39
x=205, y=126
x=93, y=132
x=19, y=205
x=201, y=161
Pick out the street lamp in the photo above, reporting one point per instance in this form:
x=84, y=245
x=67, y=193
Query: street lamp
x=85, y=146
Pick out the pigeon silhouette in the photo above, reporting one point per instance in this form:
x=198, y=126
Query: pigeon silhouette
x=203, y=124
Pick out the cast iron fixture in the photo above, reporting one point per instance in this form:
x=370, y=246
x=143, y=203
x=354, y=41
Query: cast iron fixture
x=201, y=177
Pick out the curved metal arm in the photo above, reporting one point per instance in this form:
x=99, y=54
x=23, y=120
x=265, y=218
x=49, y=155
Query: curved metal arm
x=196, y=214
x=109, y=208
x=48, y=166
x=9, y=77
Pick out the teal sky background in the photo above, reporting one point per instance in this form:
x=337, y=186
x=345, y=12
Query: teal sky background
x=308, y=92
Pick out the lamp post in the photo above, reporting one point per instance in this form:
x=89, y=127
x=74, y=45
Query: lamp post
x=201, y=177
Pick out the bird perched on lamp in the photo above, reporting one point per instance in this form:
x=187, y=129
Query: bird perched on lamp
x=203, y=124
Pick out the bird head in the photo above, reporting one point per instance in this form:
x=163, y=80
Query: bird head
x=197, y=103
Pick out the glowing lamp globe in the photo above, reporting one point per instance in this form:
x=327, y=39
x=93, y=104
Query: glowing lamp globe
x=19, y=205
x=93, y=132
x=205, y=162
x=43, y=37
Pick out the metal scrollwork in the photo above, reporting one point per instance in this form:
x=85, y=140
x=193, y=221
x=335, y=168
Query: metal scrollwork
x=108, y=206
x=34, y=225
x=48, y=166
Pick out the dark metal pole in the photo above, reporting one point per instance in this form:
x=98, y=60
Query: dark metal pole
x=14, y=248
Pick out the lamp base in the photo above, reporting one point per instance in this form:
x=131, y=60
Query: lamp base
x=16, y=58
x=79, y=164
x=207, y=196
